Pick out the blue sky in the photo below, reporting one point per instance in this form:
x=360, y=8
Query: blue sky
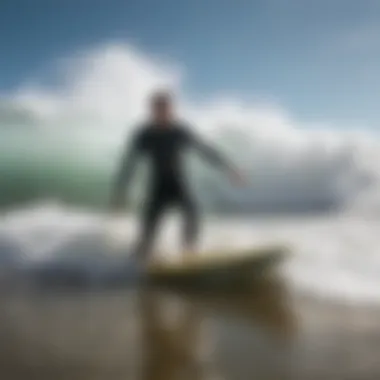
x=318, y=59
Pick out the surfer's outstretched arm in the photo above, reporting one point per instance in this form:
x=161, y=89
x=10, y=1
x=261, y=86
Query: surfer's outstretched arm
x=215, y=157
x=211, y=154
x=126, y=170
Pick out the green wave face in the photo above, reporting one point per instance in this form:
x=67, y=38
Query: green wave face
x=35, y=166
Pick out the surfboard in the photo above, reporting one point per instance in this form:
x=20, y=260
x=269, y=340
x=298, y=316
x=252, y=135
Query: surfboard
x=219, y=267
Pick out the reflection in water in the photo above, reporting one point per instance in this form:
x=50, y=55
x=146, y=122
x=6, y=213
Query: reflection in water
x=265, y=303
x=186, y=346
x=171, y=348
x=153, y=334
x=147, y=334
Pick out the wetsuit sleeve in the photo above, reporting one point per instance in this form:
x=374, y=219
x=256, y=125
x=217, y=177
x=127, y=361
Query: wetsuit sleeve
x=212, y=155
x=127, y=165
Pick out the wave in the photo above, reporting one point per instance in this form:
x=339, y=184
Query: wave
x=334, y=257
x=61, y=140
x=36, y=166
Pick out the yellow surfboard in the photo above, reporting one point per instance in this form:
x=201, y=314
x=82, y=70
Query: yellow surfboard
x=219, y=266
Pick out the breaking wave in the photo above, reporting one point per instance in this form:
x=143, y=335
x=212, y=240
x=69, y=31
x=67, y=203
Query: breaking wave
x=59, y=146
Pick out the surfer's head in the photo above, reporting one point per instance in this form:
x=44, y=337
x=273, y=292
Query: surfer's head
x=161, y=104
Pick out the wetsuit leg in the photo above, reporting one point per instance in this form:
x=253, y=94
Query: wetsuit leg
x=153, y=211
x=191, y=219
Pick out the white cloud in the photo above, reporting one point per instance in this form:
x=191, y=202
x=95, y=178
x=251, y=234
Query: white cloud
x=109, y=84
x=101, y=90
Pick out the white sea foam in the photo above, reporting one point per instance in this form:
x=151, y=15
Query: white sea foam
x=336, y=256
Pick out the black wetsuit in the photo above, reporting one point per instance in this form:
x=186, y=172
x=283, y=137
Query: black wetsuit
x=164, y=147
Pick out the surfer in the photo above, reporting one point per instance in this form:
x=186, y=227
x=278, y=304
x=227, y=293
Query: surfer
x=163, y=139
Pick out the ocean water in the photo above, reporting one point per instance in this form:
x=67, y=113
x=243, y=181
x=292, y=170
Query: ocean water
x=152, y=335
x=321, y=321
x=312, y=186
